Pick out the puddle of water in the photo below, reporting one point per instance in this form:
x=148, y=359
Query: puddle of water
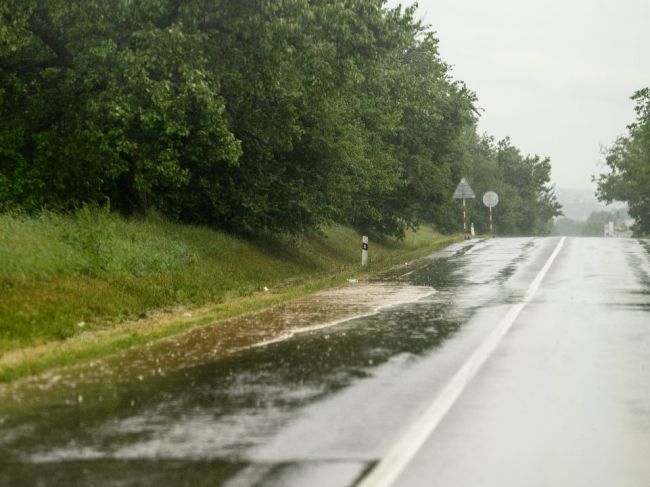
x=312, y=313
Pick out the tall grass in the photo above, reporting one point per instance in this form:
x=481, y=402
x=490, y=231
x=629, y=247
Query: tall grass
x=63, y=274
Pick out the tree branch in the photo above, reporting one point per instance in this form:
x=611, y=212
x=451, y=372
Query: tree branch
x=213, y=24
x=172, y=14
x=40, y=26
x=35, y=66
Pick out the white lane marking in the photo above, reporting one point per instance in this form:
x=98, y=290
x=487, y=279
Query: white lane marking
x=395, y=461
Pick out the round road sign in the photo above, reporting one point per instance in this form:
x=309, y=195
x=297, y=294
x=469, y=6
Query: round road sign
x=490, y=199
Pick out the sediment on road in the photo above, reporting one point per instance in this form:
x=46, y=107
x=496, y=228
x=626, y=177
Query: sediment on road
x=82, y=286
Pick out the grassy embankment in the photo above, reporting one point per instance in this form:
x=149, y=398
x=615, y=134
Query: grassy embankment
x=81, y=286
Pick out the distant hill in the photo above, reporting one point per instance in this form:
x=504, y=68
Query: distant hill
x=578, y=204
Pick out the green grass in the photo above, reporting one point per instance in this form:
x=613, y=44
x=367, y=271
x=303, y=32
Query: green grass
x=67, y=275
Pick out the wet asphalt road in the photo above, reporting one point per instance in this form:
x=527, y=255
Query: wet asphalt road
x=563, y=398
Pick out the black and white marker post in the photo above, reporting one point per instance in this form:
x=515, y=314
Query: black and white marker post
x=364, y=251
x=464, y=191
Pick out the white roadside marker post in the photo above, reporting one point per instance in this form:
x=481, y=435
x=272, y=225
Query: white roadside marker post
x=364, y=251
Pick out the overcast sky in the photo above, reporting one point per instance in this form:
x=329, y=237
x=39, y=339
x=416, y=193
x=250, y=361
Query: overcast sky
x=554, y=75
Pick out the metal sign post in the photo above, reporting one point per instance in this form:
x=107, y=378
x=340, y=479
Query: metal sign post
x=491, y=228
x=491, y=199
x=465, y=219
x=464, y=191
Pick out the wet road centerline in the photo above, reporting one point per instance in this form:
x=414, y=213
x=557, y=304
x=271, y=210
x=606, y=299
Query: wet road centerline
x=391, y=465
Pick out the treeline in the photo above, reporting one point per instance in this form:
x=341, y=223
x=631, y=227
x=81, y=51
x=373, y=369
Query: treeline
x=527, y=202
x=629, y=163
x=280, y=115
x=594, y=225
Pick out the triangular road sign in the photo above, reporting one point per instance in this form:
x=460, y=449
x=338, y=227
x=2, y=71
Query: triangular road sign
x=463, y=191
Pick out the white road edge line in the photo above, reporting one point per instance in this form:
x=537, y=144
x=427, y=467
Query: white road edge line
x=391, y=465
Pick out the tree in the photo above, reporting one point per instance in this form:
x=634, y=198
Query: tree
x=629, y=163
x=527, y=201
x=105, y=101
x=272, y=115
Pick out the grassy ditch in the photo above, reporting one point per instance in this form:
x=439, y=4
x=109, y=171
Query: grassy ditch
x=80, y=286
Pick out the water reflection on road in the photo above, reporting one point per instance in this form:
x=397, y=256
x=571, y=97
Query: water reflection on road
x=196, y=423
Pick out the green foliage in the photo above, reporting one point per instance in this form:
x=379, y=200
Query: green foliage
x=527, y=201
x=252, y=115
x=629, y=163
x=104, y=102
